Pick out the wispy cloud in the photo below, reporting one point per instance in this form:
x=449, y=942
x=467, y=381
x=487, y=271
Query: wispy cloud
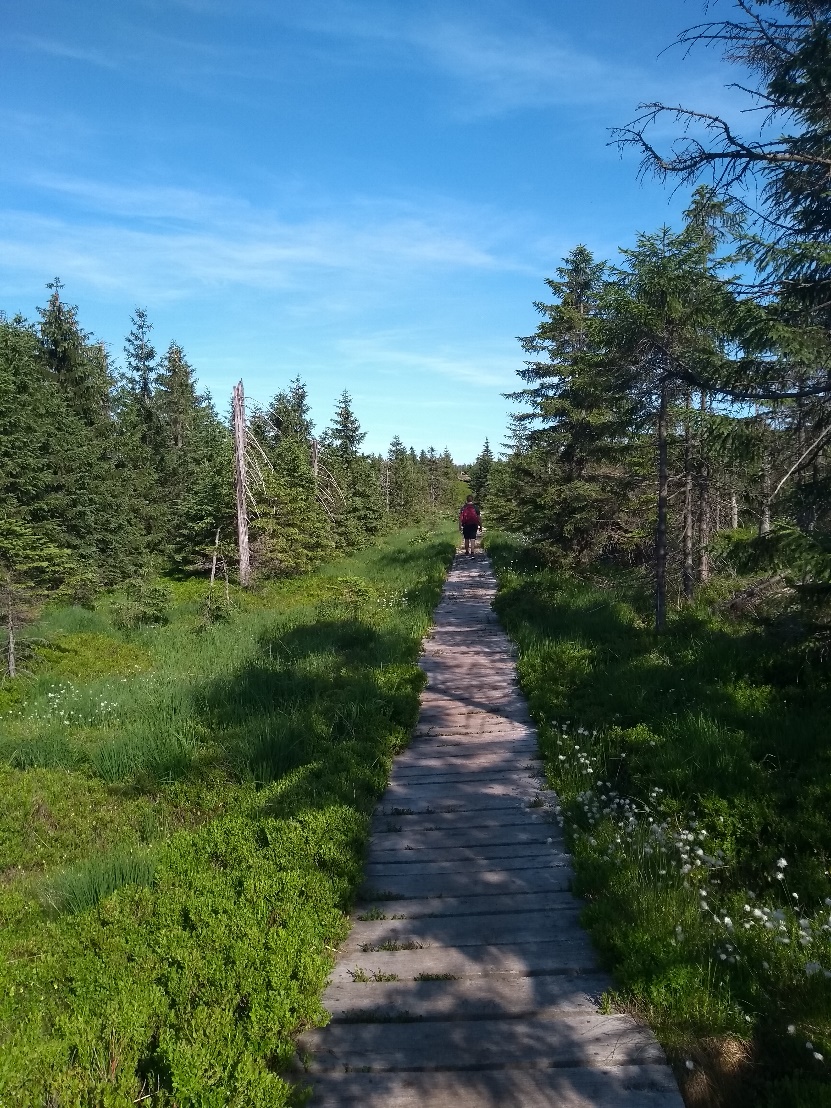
x=395, y=353
x=169, y=242
x=498, y=59
x=62, y=49
x=502, y=60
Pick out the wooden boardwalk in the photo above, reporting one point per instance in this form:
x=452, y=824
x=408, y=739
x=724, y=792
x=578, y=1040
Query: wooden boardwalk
x=467, y=981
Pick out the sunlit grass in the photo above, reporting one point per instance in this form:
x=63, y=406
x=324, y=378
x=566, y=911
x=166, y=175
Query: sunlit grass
x=186, y=809
x=694, y=777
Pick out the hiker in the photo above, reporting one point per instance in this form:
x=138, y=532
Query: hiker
x=469, y=524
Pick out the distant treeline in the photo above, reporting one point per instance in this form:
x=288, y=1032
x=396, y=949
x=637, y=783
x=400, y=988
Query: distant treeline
x=106, y=472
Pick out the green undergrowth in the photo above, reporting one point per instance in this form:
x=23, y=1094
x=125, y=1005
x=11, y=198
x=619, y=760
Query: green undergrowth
x=693, y=770
x=185, y=810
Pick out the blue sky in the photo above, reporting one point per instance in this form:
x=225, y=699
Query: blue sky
x=365, y=194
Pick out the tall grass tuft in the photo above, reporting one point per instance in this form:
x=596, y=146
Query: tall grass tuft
x=81, y=887
x=141, y=753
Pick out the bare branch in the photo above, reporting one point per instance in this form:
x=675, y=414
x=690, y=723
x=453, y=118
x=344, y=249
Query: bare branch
x=801, y=459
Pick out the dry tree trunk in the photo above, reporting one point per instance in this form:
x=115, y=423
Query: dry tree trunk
x=661, y=528
x=703, y=499
x=241, y=484
x=11, y=661
x=687, y=535
x=764, y=516
x=216, y=553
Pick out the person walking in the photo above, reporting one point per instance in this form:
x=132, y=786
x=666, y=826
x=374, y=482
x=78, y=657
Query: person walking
x=469, y=523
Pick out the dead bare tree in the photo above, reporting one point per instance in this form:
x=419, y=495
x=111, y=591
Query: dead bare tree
x=241, y=482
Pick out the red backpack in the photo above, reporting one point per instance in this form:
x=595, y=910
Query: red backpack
x=469, y=516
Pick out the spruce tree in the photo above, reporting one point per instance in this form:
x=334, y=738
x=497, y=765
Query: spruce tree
x=141, y=368
x=480, y=474
x=80, y=368
x=195, y=464
x=570, y=490
x=359, y=514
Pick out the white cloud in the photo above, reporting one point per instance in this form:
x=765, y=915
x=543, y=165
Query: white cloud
x=503, y=61
x=164, y=242
x=395, y=354
x=62, y=49
x=500, y=59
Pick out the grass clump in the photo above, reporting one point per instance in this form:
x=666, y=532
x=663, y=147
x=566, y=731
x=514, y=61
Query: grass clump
x=693, y=771
x=183, y=834
x=84, y=886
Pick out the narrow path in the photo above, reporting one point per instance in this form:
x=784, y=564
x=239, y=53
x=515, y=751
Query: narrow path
x=467, y=981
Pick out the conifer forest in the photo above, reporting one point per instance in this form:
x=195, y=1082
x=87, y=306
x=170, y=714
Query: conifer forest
x=189, y=758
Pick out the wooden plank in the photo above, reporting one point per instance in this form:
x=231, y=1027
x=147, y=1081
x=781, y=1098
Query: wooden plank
x=463, y=931
x=446, y=844
x=584, y=1039
x=498, y=996
x=470, y=775
x=502, y=730
x=501, y=854
x=550, y=901
x=395, y=820
x=521, y=785
x=638, y=1086
x=478, y=883
x=416, y=865
x=573, y=954
x=430, y=757
x=409, y=803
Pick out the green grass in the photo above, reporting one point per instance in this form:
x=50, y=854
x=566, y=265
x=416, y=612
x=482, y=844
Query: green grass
x=694, y=776
x=185, y=813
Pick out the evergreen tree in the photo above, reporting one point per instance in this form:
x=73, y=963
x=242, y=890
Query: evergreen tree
x=343, y=438
x=480, y=474
x=289, y=414
x=195, y=464
x=569, y=485
x=80, y=368
x=401, y=482
x=359, y=514
x=141, y=368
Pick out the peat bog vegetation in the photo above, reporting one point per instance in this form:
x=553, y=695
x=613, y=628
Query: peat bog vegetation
x=185, y=808
x=694, y=775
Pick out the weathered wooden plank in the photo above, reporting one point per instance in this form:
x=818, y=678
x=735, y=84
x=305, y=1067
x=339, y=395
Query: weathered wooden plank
x=463, y=931
x=533, y=1043
x=519, y=786
x=442, y=847
x=471, y=776
x=404, y=867
x=410, y=803
x=476, y=763
x=478, y=882
x=551, y=901
x=428, y=755
x=501, y=730
x=489, y=819
x=499, y=855
x=497, y=996
x=640, y=1086
x=456, y=758
x=462, y=834
x=435, y=706
x=572, y=954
